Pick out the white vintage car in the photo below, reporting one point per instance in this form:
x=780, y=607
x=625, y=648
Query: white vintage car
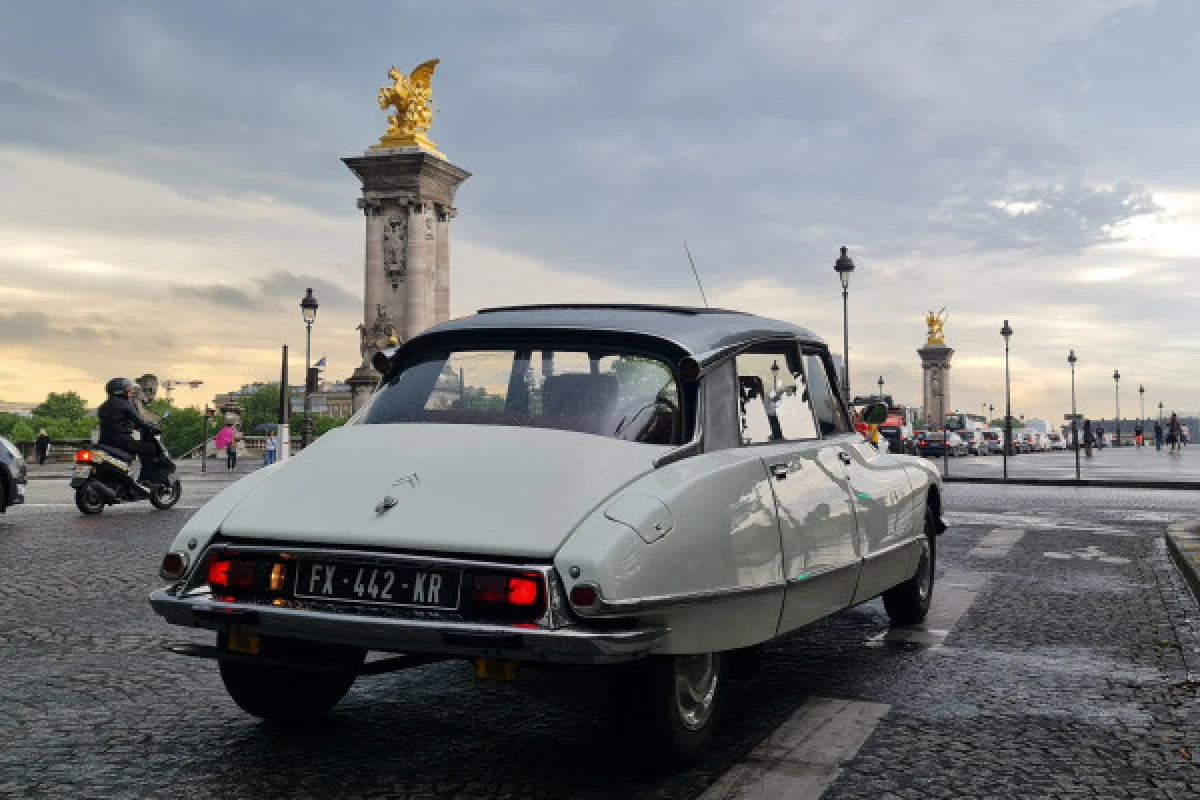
x=659, y=488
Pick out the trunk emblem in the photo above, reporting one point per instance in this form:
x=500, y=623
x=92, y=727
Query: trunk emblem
x=386, y=504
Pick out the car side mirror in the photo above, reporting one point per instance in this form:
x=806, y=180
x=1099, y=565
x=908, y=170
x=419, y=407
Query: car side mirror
x=876, y=414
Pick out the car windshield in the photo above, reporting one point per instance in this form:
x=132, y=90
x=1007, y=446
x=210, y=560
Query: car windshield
x=622, y=395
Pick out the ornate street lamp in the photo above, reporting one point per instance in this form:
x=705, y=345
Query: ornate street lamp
x=844, y=266
x=1142, y=406
x=308, y=309
x=991, y=413
x=880, y=382
x=1007, y=333
x=1117, y=419
x=1160, y=412
x=1071, y=359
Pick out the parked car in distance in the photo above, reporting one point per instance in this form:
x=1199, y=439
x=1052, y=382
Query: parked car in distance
x=977, y=445
x=929, y=444
x=995, y=441
x=649, y=486
x=1057, y=441
x=13, y=475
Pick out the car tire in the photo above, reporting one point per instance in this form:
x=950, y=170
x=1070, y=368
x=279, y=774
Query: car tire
x=88, y=500
x=908, y=603
x=164, y=500
x=290, y=694
x=670, y=706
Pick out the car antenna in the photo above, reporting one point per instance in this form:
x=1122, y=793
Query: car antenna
x=697, y=274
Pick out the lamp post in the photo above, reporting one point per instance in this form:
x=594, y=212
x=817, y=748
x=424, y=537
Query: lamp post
x=844, y=266
x=1142, y=407
x=1071, y=359
x=1007, y=333
x=308, y=309
x=1117, y=419
x=991, y=413
x=880, y=382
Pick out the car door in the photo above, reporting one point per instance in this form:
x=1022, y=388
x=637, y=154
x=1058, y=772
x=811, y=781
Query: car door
x=818, y=532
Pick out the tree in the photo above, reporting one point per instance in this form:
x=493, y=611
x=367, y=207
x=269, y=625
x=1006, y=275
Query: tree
x=22, y=431
x=68, y=405
x=326, y=424
x=260, y=406
x=7, y=421
x=183, y=429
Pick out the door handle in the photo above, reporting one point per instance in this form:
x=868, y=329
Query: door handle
x=845, y=457
x=780, y=471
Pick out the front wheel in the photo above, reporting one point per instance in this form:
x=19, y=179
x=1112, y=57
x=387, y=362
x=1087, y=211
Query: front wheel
x=291, y=694
x=671, y=706
x=88, y=499
x=908, y=603
x=165, y=496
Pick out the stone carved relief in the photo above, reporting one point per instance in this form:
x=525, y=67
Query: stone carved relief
x=395, y=260
x=429, y=227
x=381, y=334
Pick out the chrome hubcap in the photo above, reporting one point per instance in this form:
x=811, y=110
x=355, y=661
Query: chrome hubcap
x=924, y=571
x=696, y=682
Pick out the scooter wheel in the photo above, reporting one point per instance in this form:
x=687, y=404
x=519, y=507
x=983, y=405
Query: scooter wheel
x=164, y=497
x=88, y=500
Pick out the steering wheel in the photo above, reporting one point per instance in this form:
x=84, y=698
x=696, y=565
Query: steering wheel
x=628, y=418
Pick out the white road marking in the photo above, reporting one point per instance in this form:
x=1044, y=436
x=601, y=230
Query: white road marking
x=804, y=755
x=952, y=596
x=1087, y=554
x=997, y=543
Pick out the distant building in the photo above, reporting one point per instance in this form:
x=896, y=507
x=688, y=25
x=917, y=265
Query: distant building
x=14, y=407
x=330, y=399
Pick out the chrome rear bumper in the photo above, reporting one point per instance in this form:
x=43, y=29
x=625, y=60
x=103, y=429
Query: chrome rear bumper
x=570, y=644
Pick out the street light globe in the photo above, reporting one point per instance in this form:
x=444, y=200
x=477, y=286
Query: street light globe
x=1071, y=359
x=308, y=307
x=1006, y=331
x=1116, y=376
x=844, y=266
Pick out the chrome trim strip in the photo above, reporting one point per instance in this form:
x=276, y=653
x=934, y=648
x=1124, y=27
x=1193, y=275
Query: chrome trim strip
x=891, y=549
x=553, y=618
x=822, y=572
x=571, y=644
x=606, y=607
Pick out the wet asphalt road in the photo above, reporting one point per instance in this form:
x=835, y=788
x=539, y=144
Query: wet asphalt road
x=1060, y=668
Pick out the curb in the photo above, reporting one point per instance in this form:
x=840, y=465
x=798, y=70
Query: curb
x=1085, y=483
x=1183, y=543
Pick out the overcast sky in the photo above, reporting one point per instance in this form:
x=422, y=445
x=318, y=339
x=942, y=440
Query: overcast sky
x=170, y=179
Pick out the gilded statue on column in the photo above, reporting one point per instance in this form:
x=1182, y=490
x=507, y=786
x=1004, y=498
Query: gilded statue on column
x=937, y=328
x=412, y=98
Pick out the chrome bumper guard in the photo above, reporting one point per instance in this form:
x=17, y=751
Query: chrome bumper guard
x=568, y=644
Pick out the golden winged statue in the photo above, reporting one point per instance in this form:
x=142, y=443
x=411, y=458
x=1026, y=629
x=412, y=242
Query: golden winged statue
x=937, y=327
x=412, y=98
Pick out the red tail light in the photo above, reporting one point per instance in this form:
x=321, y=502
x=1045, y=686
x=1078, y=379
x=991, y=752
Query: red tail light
x=83, y=456
x=583, y=596
x=218, y=573
x=510, y=597
x=228, y=574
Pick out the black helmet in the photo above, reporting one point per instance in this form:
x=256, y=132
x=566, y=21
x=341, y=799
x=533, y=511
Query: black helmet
x=118, y=386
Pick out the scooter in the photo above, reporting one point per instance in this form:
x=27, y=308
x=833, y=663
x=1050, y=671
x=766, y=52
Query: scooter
x=103, y=478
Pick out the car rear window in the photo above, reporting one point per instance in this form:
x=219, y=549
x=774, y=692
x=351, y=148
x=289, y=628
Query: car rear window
x=622, y=395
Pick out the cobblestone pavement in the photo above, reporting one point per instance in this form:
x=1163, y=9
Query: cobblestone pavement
x=1073, y=672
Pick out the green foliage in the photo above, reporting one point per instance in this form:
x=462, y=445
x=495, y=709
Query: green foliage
x=183, y=429
x=22, y=431
x=68, y=406
x=261, y=406
x=7, y=421
x=326, y=424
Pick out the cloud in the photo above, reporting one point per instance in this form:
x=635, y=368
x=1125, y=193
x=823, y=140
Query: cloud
x=268, y=290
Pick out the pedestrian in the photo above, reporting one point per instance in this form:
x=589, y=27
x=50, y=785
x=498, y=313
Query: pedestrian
x=269, y=452
x=1089, y=438
x=1099, y=438
x=1158, y=435
x=1174, y=432
x=226, y=440
x=1137, y=435
x=42, y=446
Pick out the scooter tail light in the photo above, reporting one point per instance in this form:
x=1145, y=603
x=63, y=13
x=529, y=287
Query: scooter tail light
x=83, y=457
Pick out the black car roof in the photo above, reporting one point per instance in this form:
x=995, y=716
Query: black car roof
x=700, y=332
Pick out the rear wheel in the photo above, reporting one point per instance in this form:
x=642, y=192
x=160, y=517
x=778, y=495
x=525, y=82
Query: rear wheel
x=88, y=499
x=290, y=694
x=671, y=706
x=167, y=495
x=908, y=603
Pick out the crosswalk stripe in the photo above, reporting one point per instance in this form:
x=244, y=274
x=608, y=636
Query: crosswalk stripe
x=804, y=755
x=997, y=543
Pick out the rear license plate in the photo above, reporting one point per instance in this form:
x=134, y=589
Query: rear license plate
x=412, y=587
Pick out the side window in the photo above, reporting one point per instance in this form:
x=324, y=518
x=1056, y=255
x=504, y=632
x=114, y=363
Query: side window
x=773, y=398
x=831, y=416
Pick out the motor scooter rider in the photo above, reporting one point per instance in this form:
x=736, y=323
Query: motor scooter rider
x=119, y=418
